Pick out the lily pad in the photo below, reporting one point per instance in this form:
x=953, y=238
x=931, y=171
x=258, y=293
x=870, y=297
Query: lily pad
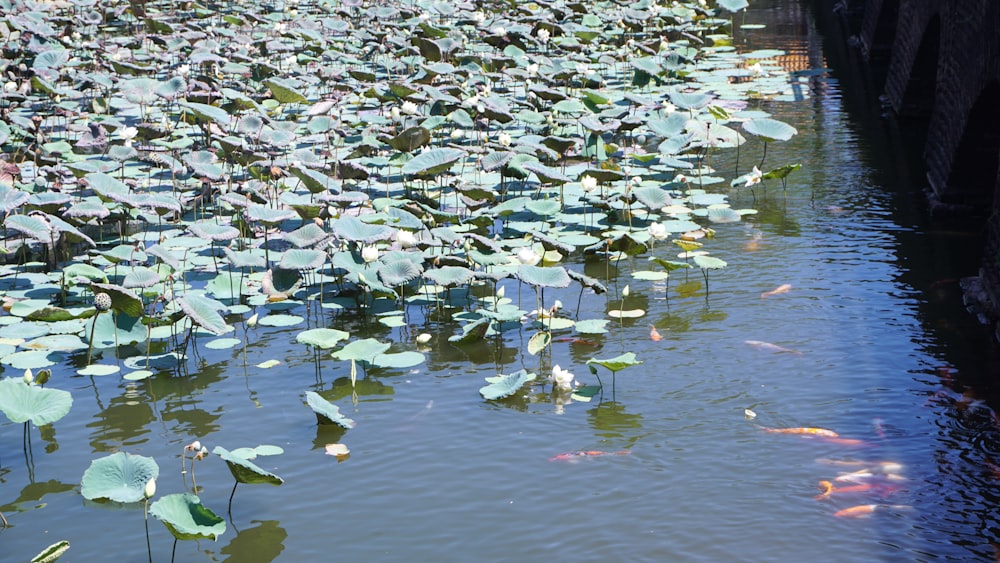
x=21, y=402
x=505, y=385
x=186, y=518
x=327, y=412
x=119, y=477
x=324, y=338
x=244, y=470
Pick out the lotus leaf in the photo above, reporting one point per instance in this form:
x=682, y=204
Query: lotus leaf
x=123, y=300
x=119, y=477
x=324, y=338
x=302, y=259
x=769, y=129
x=433, y=162
x=204, y=313
x=244, y=470
x=617, y=363
x=353, y=229
x=362, y=350
x=543, y=276
x=472, y=332
x=449, y=276
x=186, y=518
x=505, y=385
x=21, y=402
x=51, y=553
x=327, y=412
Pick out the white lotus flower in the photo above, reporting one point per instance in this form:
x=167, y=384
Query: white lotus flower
x=532, y=69
x=394, y=113
x=423, y=338
x=658, y=231
x=369, y=254
x=479, y=17
x=409, y=108
x=406, y=239
x=669, y=108
x=500, y=30
x=588, y=183
x=754, y=177
x=543, y=35
x=527, y=255
x=504, y=139
x=562, y=378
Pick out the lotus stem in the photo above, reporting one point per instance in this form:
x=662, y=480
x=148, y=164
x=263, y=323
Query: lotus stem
x=145, y=516
x=230, y=511
x=3, y=521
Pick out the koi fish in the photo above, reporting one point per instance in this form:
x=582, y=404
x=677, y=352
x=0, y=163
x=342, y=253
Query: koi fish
x=654, y=335
x=821, y=432
x=574, y=456
x=828, y=489
x=783, y=288
x=768, y=347
x=859, y=511
x=847, y=441
x=576, y=341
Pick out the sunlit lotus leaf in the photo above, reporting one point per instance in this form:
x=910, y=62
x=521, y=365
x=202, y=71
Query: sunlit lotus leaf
x=309, y=234
x=709, y=262
x=119, y=477
x=539, y=341
x=72, y=233
x=652, y=197
x=140, y=91
x=140, y=276
x=88, y=209
x=51, y=553
x=769, y=129
x=449, y=276
x=649, y=275
x=31, y=226
x=398, y=272
x=269, y=215
x=324, y=338
x=244, y=470
x=733, y=5
x=186, y=518
x=123, y=300
x=245, y=258
x=123, y=253
x=353, y=229
x=781, y=172
x=204, y=312
x=672, y=125
x=362, y=350
x=285, y=92
x=686, y=100
x=505, y=385
x=315, y=182
x=28, y=359
x=432, y=162
x=400, y=360
x=617, y=363
x=98, y=370
x=115, y=330
x=472, y=332
x=543, y=276
x=254, y=452
x=205, y=112
x=302, y=259
x=172, y=88
x=626, y=313
x=56, y=343
x=222, y=343
x=210, y=230
x=496, y=160
x=591, y=326
x=11, y=198
x=21, y=402
x=53, y=314
x=327, y=412
x=723, y=215
x=280, y=320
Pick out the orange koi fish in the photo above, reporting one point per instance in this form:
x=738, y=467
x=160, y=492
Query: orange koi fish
x=859, y=511
x=821, y=432
x=829, y=489
x=575, y=456
x=576, y=341
x=783, y=288
x=654, y=335
x=847, y=441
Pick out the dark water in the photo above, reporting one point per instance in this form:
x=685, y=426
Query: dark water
x=883, y=354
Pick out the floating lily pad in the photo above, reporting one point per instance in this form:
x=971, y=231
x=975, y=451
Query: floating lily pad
x=324, y=338
x=119, y=477
x=21, y=402
x=505, y=385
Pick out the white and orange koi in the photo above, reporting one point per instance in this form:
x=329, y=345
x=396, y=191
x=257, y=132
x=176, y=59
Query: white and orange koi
x=828, y=489
x=654, y=334
x=783, y=288
x=864, y=510
x=805, y=431
x=768, y=347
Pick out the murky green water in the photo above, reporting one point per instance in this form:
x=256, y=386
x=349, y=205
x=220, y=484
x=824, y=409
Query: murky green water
x=436, y=473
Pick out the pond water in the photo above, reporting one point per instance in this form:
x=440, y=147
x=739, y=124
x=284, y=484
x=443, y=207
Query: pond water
x=877, y=350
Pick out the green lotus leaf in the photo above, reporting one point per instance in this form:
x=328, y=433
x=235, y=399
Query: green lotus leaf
x=204, y=312
x=327, y=412
x=123, y=300
x=31, y=226
x=472, y=332
x=51, y=553
x=223, y=343
x=244, y=470
x=279, y=319
x=285, y=92
x=172, y=88
x=53, y=314
x=649, y=275
x=399, y=272
x=723, y=215
x=673, y=125
x=685, y=100
x=547, y=175
x=73, y=271
x=315, y=182
x=245, y=259
x=733, y=5
x=543, y=276
x=617, y=363
x=587, y=281
x=302, y=259
x=591, y=326
x=21, y=402
x=11, y=198
x=309, y=234
x=324, y=338
x=261, y=450
x=28, y=359
x=56, y=343
x=781, y=172
x=353, y=229
x=432, y=162
x=544, y=207
x=505, y=385
x=669, y=265
x=210, y=230
x=119, y=477
x=140, y=276
x=769, y=129
x=709, y=262
x=449, y=276
x=410, y=139
x=400, y=360
x=652, y=197
x=538, y=342
x=680, y=226
x=362, y=350
x=269, y=215
x=186, y=518
x=205, y=112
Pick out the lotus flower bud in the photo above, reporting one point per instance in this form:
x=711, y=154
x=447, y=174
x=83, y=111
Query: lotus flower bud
x=423, y=338
x=588, y=183
x=29, y=378
x=500, y=292
x=150, y=489
x=625, y=291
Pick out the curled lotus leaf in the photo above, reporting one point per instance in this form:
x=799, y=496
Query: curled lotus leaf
x=734, y=5
x=204, y=312
x=547, y=175
x=653, y=197
x=285, y=92
x=119, y=477
x=327, y=412
x=187, y=518
x=410, y=139
x=723, y=215
x=244, y=470
x=269, y=215
x=30, y=226
x=315, y=182
x=11, y=198
x=433, y=162
x=587, y=281
x=123, y=300
x=472, y=332
x=309, y=234
x=505, y=385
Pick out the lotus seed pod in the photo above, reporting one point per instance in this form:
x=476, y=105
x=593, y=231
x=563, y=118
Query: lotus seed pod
x=102, y=302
